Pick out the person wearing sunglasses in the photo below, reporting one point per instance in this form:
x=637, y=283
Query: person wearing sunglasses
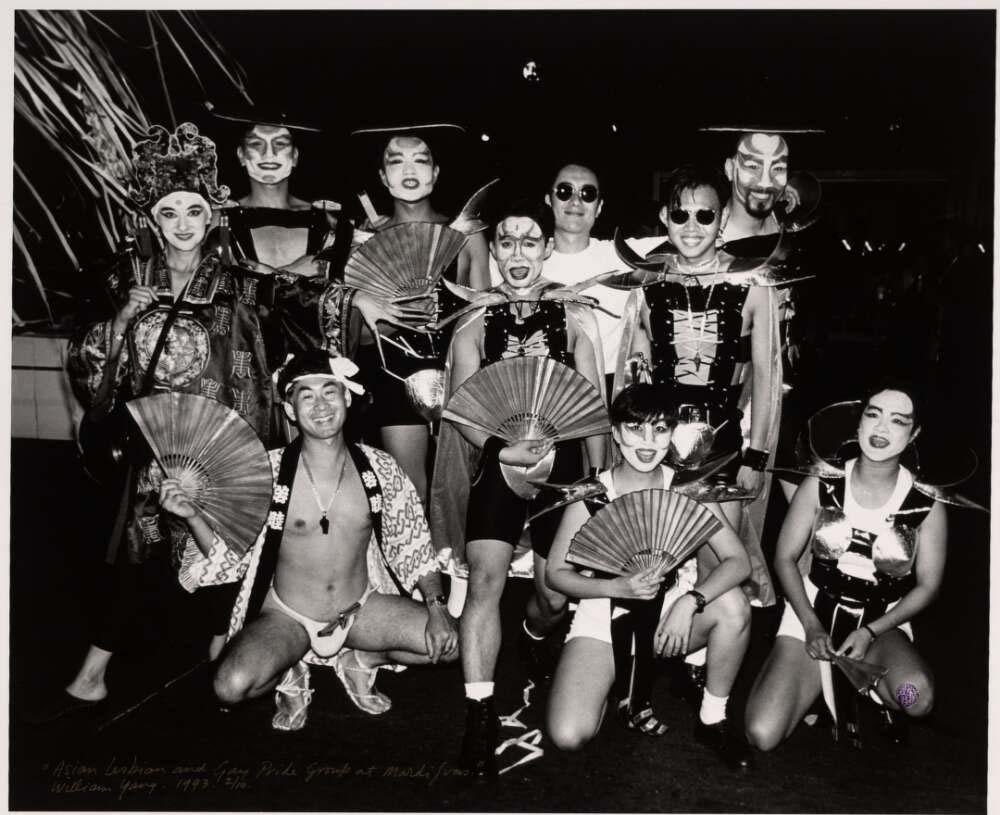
x=576, y=200
x=710, y=334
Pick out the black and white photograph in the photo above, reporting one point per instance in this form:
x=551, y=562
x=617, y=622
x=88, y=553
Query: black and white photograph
x=376, y=370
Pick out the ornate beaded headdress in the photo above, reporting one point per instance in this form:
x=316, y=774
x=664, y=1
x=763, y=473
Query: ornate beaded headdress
x=168, y=162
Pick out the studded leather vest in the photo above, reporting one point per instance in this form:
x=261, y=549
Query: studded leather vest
x=697, y=333
x=540, y=333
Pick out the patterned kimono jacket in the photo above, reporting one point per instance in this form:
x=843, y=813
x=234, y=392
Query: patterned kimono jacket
x=214, y=349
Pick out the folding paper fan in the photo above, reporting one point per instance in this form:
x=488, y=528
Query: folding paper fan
x=529, y=398
x=403, y=261
x=215, y=455
x=642, y=529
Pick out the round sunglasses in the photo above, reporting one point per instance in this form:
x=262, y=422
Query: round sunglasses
x=705, y=217
x=588, y=192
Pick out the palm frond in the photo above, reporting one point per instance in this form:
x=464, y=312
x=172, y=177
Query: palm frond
x=70, y=90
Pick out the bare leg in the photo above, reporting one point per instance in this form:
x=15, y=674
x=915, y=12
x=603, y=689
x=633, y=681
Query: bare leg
x=785, y=689
x=408, y=444
x=579, y=694
x=89, y=680
x=909, y=685
x=546, y=607
x=215, y=646
x=788, y=488
x=258, y=656
x=724, y=627
x=479, y=627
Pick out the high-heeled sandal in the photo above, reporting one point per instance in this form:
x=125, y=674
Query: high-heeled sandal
x=643, y=720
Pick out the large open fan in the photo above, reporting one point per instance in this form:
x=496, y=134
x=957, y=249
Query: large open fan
x=529, y=398
x=403, y=261
x=215, y=455
x=642, y=529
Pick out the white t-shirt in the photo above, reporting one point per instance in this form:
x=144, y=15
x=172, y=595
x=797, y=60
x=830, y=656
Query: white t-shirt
x=599, y=257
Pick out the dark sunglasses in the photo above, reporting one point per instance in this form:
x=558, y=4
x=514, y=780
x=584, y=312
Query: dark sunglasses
x=706, y=217
x=588, y=192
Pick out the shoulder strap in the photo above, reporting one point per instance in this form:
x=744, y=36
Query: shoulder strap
x=373, y=492
x=275, y=527
x=914, y=509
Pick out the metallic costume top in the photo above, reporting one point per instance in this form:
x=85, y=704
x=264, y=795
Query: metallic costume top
x=877, y=547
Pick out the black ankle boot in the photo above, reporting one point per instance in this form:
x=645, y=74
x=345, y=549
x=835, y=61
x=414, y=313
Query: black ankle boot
x=727, y=743
x=894, y=726
x=537, y=657
x=480, y=742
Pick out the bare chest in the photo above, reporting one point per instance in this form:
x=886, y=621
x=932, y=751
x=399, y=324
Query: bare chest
x=278, y=246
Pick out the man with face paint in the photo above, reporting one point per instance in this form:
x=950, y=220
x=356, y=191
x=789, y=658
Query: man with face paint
x=214, y=348
x=322, y=583
x=409, y=171
x=275, y=233
x=521, y=324
x=704, y=604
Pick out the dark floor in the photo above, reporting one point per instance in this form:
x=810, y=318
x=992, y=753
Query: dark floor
x=177, y=751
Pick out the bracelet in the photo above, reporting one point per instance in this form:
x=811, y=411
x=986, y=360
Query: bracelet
x=755, y=459
x=871, y=633
x=699, y=601
x=437, y=600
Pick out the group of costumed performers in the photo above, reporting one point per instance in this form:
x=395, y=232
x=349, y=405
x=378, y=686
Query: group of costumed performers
x=302, y=600
x=861, y=553
x=653, y=542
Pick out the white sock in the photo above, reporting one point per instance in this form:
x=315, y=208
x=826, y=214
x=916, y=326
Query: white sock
x=477, y=691
x=535, y=637
x=713, y=708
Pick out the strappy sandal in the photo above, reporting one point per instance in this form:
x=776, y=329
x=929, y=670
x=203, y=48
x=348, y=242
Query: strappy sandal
x=292, y=698
x=374, y=702
x=643, y=721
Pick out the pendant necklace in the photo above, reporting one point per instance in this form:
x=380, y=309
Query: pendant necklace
x=704, y=317
x=324, y=522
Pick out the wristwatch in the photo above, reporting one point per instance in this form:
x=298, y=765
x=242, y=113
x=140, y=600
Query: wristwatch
x=437, y=600
x=699, y=600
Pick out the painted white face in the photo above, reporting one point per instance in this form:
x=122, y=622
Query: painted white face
x=408, y=169
x=268, y=154
x=520, y=249
x=643, y=445
x=575, y=199
x=886, y=425
x=759, y=172
x=693, y=224
x=318, y=405
x=182, y=218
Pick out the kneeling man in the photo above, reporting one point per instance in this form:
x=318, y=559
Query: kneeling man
x=345, y=537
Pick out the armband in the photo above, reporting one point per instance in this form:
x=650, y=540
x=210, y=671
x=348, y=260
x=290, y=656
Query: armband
x=755, y=459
